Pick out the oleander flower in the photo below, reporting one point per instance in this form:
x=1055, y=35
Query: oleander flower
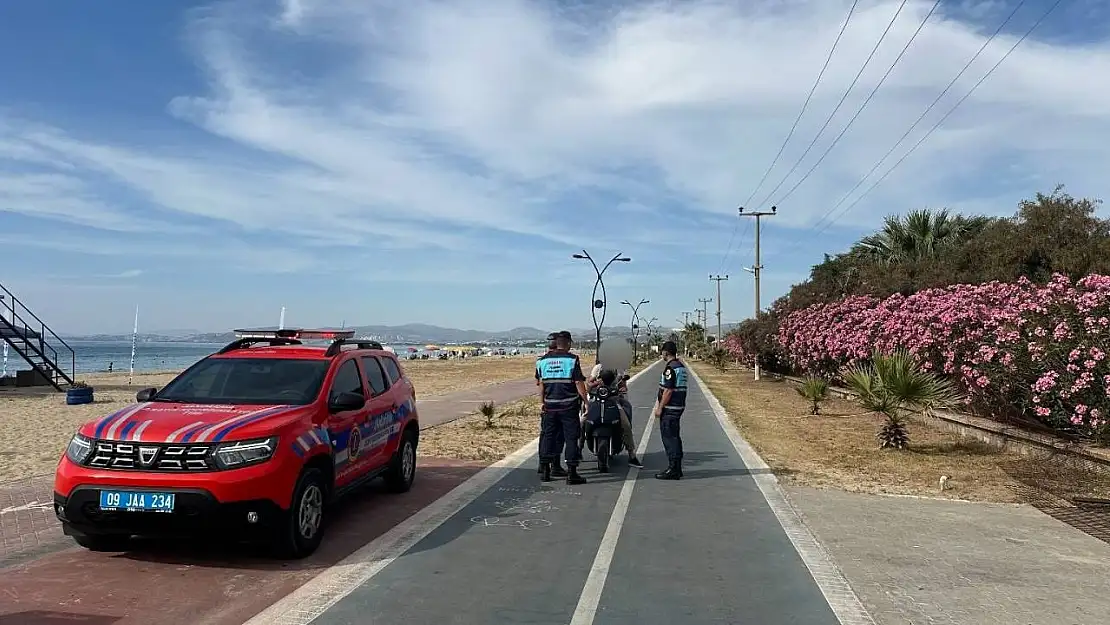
x=1036, y=349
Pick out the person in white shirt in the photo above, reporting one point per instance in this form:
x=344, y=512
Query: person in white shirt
x=627, y=438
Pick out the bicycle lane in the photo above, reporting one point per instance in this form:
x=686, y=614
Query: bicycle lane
x=719, y=546
x=518, y=553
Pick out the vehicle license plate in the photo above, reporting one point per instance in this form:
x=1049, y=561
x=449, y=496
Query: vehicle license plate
x=136, y=501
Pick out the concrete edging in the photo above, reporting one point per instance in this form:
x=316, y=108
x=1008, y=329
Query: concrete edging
x=990, y=432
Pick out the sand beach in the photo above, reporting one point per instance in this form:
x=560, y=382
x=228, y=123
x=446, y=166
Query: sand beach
x=36, y=424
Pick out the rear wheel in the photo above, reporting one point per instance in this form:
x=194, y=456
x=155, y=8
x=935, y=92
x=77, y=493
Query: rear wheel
x=112, y=542
x=402, y=469
x=303, y=528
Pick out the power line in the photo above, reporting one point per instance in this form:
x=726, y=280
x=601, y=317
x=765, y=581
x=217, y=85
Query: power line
x=838, y=105
x=924, y=113
x=794, y=127
x=948, y=114
x=866, y=101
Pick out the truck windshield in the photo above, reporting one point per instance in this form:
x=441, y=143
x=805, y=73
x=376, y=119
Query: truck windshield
x=247, y=381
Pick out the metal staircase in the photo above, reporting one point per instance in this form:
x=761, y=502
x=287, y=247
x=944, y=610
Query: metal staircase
x=32, y=339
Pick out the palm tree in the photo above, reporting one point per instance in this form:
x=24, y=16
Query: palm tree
x=921, y=234
x=892, y=384
x=814, y=389
x=693, y=337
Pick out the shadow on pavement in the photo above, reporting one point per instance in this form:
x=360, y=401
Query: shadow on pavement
x=1066, y=489
x=354, y=521
x=49, y=617
x=657, y=461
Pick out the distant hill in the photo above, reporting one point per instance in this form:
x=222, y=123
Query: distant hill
x=408, y=334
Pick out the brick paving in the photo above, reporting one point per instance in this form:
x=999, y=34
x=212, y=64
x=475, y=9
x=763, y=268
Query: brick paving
x=29, y=528
x=933, y=562
x=27, y=522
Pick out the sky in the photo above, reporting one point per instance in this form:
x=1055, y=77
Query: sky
x=380, y=162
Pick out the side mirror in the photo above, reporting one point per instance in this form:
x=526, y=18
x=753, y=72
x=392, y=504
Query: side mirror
x=346, y=401
x=146, y=394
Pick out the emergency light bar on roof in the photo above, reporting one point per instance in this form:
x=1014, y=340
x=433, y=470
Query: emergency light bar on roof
x=295, y=333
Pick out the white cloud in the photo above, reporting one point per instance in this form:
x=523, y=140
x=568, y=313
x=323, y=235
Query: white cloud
x=520, y=126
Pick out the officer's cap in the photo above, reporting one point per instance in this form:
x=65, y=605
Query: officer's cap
x=670, y=347
x=564, y=334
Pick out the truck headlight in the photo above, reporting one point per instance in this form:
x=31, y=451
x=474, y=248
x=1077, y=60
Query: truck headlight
x=242, y=453
x=79, y=449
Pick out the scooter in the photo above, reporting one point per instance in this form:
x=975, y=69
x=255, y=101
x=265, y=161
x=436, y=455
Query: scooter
x=603, y=423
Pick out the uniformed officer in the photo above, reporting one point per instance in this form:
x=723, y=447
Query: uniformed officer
x=669, y=406
x=559, y=373
x=557, y=469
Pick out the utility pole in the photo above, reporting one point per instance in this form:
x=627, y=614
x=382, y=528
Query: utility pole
x=757, y=268
x=704, y=311
x=686, y=322
x=718, y=280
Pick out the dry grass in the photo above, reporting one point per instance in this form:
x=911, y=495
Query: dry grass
x=838, y=449
x=36, y=424
x=470, y=438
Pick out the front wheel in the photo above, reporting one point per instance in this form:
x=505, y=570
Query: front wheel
x=402, y=469
x=303, y=528
x=602, y=445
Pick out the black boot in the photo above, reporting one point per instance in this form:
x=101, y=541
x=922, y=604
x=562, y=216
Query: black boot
x=634, y=461
x=545, y=471
x=678, y=467
x=557, y=469
x=573, y=478
x=672, y=472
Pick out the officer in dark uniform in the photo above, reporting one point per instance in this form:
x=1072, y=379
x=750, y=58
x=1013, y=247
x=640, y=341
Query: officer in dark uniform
x=557, y=469
x=669, y=405
x=559, y=372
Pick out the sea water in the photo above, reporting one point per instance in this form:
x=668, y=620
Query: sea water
x=98, y=356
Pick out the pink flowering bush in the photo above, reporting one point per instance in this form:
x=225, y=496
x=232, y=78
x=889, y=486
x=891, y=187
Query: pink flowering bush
x=1014, y=348
x=738, y=351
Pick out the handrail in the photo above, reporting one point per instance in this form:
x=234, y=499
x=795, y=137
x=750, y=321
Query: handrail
x=15, y=306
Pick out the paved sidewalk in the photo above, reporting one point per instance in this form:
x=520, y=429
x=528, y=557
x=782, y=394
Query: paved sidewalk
x=933, y=562
x=439, y=409
x=707, y=549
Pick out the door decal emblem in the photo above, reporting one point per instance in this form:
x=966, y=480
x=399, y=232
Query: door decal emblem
x=354, y=442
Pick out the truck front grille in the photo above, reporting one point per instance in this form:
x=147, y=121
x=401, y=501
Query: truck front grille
x=150, y=456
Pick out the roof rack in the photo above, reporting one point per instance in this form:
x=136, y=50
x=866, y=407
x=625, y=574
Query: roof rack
x=283, y=336
x=337, y=345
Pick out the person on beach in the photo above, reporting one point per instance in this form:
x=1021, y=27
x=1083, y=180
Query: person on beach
x=625, y=406
x=563, y=392
x=669, y=406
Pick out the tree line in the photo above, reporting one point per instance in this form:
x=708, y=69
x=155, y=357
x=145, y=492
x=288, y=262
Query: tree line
x=926, y=248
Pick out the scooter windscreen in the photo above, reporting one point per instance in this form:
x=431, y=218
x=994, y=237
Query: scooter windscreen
x=615, y=354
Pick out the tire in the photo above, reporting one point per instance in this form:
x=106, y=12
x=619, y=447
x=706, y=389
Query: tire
x=103, y=543
x=603, y=454
x=402, y=469
x=303, y=527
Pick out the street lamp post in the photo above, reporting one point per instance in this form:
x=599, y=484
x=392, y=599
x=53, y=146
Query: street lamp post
x=595, y=303
x=635, y=326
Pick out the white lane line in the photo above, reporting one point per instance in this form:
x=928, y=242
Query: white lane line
x=311, y=600
x=588, y=601
x=843, y=601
